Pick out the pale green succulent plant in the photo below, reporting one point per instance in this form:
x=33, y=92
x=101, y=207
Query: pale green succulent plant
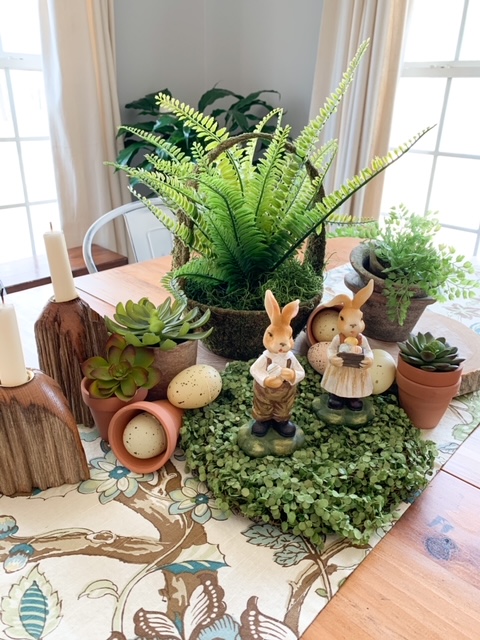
x=426, y=352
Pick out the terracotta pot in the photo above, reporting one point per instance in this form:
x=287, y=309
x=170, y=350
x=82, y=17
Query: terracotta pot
x=102, y=409
x=238, y=335
x=312, y=317
x=170, y=418
x=169, y=364
x=425, y=395
x=377, y=324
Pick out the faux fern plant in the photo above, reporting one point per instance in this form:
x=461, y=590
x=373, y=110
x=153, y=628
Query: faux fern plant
x=244, y=222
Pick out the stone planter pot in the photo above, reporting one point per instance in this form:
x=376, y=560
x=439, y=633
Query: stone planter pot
x=377, y=324
x=169, y=363
x=238, y=335
x=425, y=395
x=102, y=409
x=170, y=418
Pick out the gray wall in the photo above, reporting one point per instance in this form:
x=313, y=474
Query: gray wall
x=242, y=45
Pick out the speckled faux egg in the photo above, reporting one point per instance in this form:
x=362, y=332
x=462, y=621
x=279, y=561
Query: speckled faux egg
x=317, y=356
x=195, y=387
x=324, y=325
x=144, y=436
x=382, y=371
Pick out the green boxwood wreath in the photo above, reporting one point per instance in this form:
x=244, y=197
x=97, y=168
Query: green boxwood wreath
x=345, y=481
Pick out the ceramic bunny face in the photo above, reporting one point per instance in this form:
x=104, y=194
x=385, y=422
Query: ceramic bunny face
x=350, y=319
x=278, y=335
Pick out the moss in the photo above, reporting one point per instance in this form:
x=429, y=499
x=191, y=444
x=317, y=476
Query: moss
x=345, y=480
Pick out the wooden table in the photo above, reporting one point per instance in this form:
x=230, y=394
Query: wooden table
x=422, y=580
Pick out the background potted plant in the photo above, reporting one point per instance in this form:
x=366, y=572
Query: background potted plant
x=242, y=222
x=123, y=376
x=410, y=271
x=170, y=329
x=428, y=377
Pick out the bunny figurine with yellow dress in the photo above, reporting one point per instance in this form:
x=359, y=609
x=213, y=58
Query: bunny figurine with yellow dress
x=347, y=378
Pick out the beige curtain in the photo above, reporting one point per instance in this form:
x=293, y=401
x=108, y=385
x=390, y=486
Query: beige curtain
x=362, y=124
x=78, y=42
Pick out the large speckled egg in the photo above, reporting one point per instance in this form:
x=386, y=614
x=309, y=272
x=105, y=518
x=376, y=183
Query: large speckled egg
x=324, y=325
x=317, y=356
x=195, y=387
x=144, y=436
x=382, y=371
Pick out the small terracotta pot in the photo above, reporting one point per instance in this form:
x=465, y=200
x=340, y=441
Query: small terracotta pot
x=170, y=363
x=170, y=418
x=102, y=409
x=425, y=395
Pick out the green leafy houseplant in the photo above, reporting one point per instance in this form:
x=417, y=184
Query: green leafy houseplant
x=125, y=369
x=145, y=325
x=241, y=115
x=240, y=222
x=428, y=353
x=410, y=260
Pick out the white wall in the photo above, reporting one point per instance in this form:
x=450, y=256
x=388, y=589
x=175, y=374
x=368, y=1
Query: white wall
x=242, y=45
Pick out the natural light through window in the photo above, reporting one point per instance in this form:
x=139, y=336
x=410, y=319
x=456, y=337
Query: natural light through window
x=440, y=85
x=28, y=194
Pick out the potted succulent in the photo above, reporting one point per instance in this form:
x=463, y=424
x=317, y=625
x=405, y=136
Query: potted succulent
x=428, y=377
x=410, y=271
x=242, y=220
x=170, y=329
x=122, y=377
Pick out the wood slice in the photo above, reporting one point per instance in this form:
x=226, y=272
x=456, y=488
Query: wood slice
x=39, y=441
x=67, y=333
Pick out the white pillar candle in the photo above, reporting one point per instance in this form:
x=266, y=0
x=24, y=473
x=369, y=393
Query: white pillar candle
x=12, y=362
x=60, y=269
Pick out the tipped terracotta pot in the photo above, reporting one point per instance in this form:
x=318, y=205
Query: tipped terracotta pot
x=313, y=318
x=170, y=418
x=425, y=395
x=102, y=409
x=170, y=363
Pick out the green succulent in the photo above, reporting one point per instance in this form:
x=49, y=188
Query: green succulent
x=125, y=370
x=145, y=325
x=426, y=352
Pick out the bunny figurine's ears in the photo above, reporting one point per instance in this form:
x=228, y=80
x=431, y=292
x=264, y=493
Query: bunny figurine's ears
x=276, y=315
x=358, y=301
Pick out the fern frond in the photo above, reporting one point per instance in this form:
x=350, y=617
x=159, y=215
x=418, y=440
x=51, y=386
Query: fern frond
x=308, y=138
x=202, y=269
x=171, y=150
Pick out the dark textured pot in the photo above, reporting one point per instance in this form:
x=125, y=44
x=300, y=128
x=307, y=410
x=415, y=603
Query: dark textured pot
x=170, y=363
x=377, y=324
x=102, y=409
x=238, y=335
x=169, y=416
x=425, y=395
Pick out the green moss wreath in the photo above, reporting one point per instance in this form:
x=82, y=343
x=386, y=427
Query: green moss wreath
x=345, y=481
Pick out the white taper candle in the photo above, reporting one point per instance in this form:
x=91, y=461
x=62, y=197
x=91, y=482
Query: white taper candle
x=12, y=362
x=60, y=269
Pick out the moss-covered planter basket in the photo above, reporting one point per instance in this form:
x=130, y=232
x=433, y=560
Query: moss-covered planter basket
x=345, y=480
x=238, y=335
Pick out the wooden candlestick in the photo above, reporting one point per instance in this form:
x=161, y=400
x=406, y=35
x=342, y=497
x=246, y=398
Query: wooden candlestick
x=67, y=333
x=39, y=441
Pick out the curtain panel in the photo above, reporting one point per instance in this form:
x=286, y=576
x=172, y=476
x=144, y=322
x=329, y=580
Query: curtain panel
x=78, y=43
x=362, y=123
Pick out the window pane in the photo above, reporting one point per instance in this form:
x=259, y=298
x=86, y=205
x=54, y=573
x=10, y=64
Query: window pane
x=6, y=122
x=462, y=241
x=454, y=192
x=42, y=215
x=11, y=191
x=19, y=26
x=407, y=182
x=433, y=30
x=29, y=99
x=15, y=237
x=461, y=132
x=39, y=173
x=418, y=104
x=470, y=49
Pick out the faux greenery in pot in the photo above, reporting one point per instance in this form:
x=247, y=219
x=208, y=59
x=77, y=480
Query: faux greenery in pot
x=428, y=377
x=123, y=371
x=242, y=223
x=241, y=114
